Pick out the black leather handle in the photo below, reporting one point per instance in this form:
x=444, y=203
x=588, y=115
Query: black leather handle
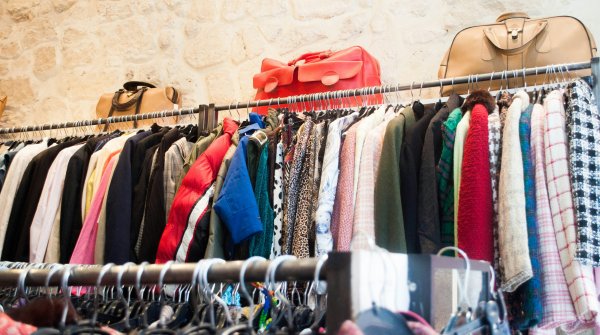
x=133, y=85
x=126, y=105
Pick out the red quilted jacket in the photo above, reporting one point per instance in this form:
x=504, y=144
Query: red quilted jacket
x=193, y=199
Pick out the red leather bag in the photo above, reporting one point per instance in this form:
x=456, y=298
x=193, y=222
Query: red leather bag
x=316, y=72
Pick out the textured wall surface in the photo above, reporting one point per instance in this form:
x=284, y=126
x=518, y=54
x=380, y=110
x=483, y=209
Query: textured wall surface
x=58, y=56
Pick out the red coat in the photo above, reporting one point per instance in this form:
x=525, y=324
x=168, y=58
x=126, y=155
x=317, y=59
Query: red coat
x=475, y=230
x=193, y=199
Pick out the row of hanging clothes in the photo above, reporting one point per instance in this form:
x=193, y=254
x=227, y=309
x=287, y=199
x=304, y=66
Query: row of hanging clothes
x=412, y=177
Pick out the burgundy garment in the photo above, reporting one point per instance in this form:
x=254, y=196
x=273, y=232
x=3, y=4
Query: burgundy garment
x=474, y=225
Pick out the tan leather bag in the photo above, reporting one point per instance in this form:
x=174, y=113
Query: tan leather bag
x=137, y=97
x=515, y=42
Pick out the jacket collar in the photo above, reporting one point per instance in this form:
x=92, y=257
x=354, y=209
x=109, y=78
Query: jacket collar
x=229, y=126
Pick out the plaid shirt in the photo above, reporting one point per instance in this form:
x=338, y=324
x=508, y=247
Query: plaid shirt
x=580, y=279
x=444, y=176
x=557, y=304
x=583, y=127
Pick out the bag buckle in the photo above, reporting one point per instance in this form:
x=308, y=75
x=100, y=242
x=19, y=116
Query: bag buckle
x=515, y=33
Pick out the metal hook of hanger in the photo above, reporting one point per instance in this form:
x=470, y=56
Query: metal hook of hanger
x=569, y=75
x=138, y=290
x=66, y=295
x=562, y=73
x=161, y=288
x=21, y=291
x=490, y=83
x=469, y=85
x=245, y=265
x=270, y=283
x=412, y=97
x=120, y=294
x=103, y=271
x=53, y=269
x=209, y=263
x=421, y=91
x=492, y=280
x=463, y=288
x=320, y=286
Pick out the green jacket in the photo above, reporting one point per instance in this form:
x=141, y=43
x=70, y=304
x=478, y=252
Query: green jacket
x=389, y=222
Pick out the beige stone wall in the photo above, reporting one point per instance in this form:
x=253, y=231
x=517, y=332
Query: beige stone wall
x=58, y=56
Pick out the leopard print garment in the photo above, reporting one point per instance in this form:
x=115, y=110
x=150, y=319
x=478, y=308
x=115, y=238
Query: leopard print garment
x=278, y=202
x=302, y=223
x=293, y=185
x=289, y=140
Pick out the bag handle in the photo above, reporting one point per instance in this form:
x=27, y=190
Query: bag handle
x=512, y=15
x=491, y=36
x=133, y=85
x=310, y=56
x=135, y=100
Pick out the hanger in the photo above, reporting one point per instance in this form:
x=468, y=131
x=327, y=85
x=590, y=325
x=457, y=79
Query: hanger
x=284, y=312
x=494, y=318
x=91, y=326
x=380, y=320
x=320, y=288
x=161, y=329
x=213, y=297
x=125, y=324
x=195, y=322
x=198, y=324
x=247, y=327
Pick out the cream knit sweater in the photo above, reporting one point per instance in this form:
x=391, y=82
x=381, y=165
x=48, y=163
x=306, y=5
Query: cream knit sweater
x=512, y=224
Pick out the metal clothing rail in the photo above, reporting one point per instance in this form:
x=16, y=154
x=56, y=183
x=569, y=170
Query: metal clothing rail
x=471, y=79
x=177, y=273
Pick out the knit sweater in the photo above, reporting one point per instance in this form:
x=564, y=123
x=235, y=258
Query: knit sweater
x=512, y=222
x=475, y=201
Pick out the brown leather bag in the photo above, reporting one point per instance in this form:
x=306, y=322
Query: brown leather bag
x=137, y=97
x=515, y=42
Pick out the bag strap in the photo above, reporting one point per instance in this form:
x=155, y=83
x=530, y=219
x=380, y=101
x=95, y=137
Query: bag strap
x=135, y=100
x=133, y=85
x=175, y=98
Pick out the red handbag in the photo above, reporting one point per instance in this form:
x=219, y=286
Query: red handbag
x=316, y=72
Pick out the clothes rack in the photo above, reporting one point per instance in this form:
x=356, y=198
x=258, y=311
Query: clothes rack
x=339, y=270
x=210, y=112
x=178, y=273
